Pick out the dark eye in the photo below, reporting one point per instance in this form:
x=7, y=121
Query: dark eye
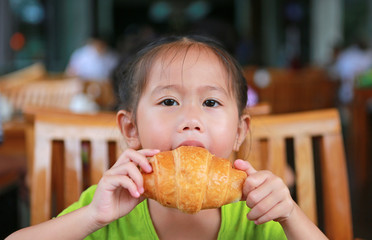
x=211, y=103
x=169, y=102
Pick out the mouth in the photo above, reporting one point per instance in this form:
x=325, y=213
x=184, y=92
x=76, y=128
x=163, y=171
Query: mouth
x=192, y=143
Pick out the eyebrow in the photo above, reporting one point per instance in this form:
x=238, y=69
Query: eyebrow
x=179, y=87
x=214, y=88
x=164, y=88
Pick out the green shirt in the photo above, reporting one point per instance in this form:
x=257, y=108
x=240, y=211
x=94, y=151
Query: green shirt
x=138, y=225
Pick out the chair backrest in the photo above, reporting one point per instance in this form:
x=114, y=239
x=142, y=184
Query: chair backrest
x=67, y=140
x=52, y=93
x=23, y=76
x=312, y=139
x=261, y=108
x=311, y=142
x=288, y=90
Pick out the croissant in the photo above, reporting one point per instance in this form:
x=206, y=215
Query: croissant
x=191, y=179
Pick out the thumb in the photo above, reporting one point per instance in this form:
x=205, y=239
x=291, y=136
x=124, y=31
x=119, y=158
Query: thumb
x=244, y=166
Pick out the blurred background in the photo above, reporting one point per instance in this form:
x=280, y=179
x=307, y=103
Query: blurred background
x=297, y=55
x=270, y=33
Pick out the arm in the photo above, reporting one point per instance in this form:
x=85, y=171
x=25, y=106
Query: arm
x=117, y=193
x=270, y=199
x=75, y=225
x=299, y=226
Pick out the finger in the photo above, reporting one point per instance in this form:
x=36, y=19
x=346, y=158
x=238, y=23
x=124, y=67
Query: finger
x=129, y=169
x=149, y=152
x=280, y=211
x=254, y=181
x=263, y=207
x=144, y=163
x=124, y=156
x=257, y=195
x=244, y=166
x=113, y=182
x=138, y=157
x=261, y=185
x=131, y=153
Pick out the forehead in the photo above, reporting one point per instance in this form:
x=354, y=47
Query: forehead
x=185, y=60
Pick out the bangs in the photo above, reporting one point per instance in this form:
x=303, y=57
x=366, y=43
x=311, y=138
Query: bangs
x=167, y=53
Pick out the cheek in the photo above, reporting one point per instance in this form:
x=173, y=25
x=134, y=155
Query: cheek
x=152, y=129
x=224, y=137
x=225, y=123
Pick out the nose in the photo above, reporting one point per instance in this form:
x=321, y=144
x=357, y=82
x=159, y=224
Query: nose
x=191, y=124
x=191, y=119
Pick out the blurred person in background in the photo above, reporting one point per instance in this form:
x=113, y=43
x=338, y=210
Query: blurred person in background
x=349, y=64
x=93, y=61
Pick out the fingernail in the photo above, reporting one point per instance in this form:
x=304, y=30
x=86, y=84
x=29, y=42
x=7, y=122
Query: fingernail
x=141, y=190
x=137, y=194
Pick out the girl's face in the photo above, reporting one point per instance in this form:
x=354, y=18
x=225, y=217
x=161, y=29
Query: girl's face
x=187, y=101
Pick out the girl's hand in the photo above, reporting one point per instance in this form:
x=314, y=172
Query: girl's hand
x=266, y=194
x=120, y=188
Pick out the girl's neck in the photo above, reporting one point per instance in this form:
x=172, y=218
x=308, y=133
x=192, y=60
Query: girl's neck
x=171, y=223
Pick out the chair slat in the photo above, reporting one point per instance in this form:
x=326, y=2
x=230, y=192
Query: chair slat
x=41, y=181
x=119, y=149
x=73, y=170
x=99, y=159
x=253, y=156
x=335, y=186
x=306, y=196
x=277, y=156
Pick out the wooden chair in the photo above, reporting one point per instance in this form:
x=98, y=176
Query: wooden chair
x=34, y=86
x=289, y=90
x=58, y=139
x=23, y=76
x=265, y=148
x=314, y=142
x=261, y=108
x=52, y=93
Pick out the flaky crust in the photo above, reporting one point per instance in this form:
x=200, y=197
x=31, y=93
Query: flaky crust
x=191, y=179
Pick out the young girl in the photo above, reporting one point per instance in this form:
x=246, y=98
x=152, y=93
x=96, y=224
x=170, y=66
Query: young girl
x=179, y=91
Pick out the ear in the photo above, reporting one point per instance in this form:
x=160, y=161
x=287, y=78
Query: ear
x=128, y=129
x=242, y=131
